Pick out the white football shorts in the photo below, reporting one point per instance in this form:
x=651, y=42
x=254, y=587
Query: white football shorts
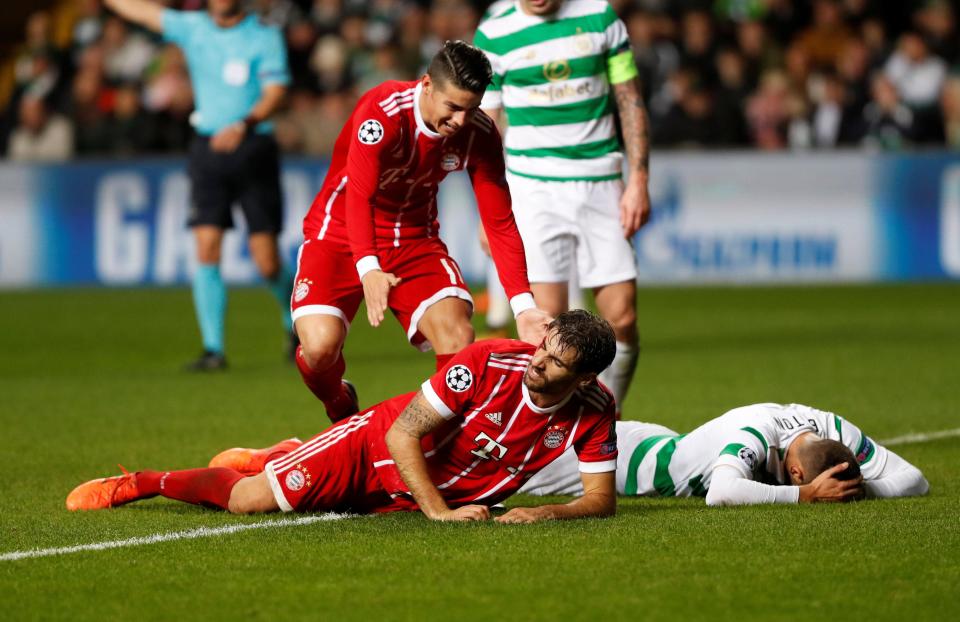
x=567, y=225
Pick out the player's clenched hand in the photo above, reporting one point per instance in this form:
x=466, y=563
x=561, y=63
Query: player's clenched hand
x=532, y=325
x=376, y=291
x=518, y=516
x=826, y=488
x=228, y=139
x=466, y=513
x=634, y=207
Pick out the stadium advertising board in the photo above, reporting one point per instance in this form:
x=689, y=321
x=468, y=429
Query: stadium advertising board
x=747, y=218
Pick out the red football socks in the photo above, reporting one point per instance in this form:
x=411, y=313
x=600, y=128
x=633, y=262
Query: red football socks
x=443, y=359
x=206, y=487
x=325, y=383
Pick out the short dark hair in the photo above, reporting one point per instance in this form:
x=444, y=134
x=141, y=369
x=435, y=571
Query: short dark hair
x=590, y=335
x=822, y=454
x=462, y=65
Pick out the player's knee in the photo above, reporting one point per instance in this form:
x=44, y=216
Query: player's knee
x=450, y=335
x=269, y=269
x=624, y=323
x=252, y=495
x=320, y=353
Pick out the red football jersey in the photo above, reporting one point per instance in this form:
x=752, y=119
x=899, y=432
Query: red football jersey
x=382, y=185
x=496, y=438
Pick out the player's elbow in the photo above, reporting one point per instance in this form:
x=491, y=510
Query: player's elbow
x=919, y=486
x=716, y=497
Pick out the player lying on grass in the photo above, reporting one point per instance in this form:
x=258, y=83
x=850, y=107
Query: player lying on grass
x=497, y=413
x=764, y=453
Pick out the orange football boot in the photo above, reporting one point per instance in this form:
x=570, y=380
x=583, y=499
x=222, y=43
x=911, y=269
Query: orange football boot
x=106, y=492
x=251, y=461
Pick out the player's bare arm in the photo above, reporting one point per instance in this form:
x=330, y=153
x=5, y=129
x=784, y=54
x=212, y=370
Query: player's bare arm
x=599, y=500
x=403, y=441
x=635, y=203
x=230, y=137
x=147, y=14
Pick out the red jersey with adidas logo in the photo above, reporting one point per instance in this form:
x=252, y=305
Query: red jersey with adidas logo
x=496, y=437
x=381, y=188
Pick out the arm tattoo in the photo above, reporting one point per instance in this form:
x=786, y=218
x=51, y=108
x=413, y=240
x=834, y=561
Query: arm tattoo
x=633, y=122
x=418, y=419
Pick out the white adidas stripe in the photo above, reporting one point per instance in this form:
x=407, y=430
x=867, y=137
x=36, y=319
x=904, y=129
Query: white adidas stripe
x=308, y=450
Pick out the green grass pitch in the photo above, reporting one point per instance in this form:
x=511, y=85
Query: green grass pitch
x=92, y=378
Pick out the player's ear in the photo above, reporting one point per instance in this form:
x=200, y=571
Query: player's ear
x=427, y=83
x=796, y=474
x=586, y=380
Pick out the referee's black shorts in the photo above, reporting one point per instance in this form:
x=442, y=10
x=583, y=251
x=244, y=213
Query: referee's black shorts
x=249, y=176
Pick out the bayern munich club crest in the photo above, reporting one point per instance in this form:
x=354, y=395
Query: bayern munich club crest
x=370, y=132
x=459, y=378
x=554, y=436
x=302, y=289
x=297, y=478
x=450, y=162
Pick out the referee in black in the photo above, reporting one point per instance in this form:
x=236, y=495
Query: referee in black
x=238, y=69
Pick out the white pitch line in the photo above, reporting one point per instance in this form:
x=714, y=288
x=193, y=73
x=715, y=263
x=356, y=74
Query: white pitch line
x=200, y=532
x=921, y=437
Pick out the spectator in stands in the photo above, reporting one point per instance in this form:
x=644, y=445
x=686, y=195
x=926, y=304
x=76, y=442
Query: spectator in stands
x=888, y=121
x=689, y=123
x=834, y=121
x=937, y=23
x=853, y=69
x=760, y=54
x=729, y=100
x=917, y=74
x=950, y=108
x=126, y=53
x=874, y=35
x=88, y=107
x=280, y=13
x=40, y=136
x=89, y=25
x=824, y=40
x=918, y=77
x=301, y=38
x=129, y=129
x=767, y=112
x=329, y=64
x=656, y=57
x=697, y=45
x=168, y=99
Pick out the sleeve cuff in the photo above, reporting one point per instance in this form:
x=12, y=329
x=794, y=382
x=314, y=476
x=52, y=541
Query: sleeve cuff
x=435, y=400
x=366, y=264
x=598, y=467
x=522, y=302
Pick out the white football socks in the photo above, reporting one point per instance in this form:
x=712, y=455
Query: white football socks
x=620, y=373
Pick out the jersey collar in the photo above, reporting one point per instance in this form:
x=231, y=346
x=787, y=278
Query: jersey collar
x=537, y=409
x=426, y=131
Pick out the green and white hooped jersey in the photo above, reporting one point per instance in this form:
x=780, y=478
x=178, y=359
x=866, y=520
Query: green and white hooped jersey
x=753, y=439
x=552, y=75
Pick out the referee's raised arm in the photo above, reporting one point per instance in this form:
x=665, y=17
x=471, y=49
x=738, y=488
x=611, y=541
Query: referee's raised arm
x=147, y=14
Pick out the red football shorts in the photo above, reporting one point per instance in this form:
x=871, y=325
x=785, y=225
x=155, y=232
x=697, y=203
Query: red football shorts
x=330, y=472
x=327, y=282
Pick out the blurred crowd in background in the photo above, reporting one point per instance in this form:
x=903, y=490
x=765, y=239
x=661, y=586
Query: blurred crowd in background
x=763, y=74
